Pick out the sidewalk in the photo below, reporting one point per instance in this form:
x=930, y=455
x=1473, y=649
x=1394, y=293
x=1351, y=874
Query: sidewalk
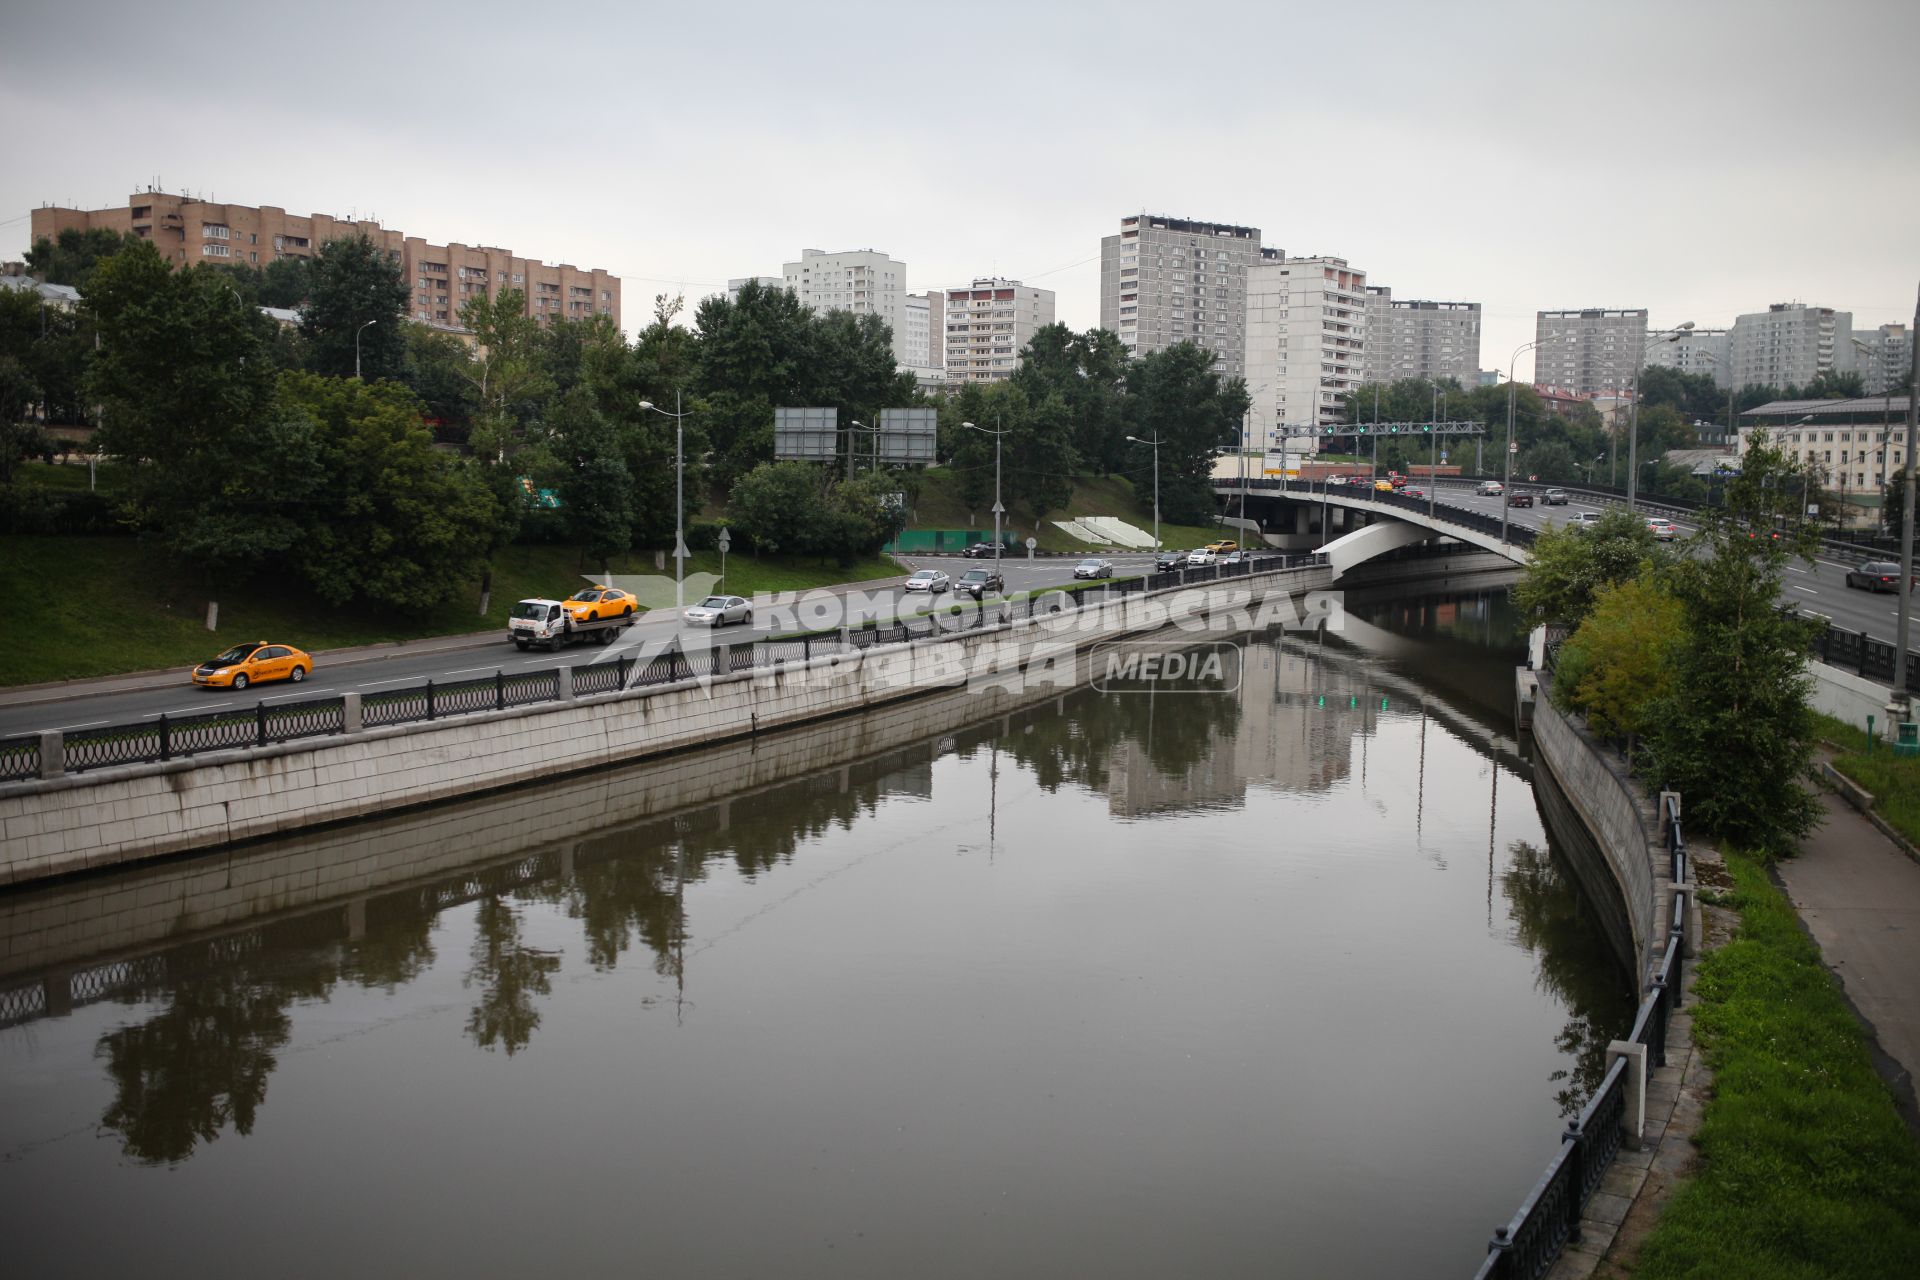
x=1858, y=894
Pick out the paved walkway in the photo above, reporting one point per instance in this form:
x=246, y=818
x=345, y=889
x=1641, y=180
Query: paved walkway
x=1859, y=894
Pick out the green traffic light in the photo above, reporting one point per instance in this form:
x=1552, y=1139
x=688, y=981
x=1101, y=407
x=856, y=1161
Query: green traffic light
x=1383, y=703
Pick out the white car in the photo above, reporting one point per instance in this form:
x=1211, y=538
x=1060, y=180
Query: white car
x=1201, y=558
x=1093, y=568
x=1490, y=489
x=931, y=581
x=1584, y=518
x=1662, y=530
x=718, y=611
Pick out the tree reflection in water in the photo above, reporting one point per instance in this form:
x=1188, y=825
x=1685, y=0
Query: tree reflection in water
x=1554, y=922
x=509, y=975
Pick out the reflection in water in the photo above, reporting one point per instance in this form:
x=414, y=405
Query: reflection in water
x=1267, y=785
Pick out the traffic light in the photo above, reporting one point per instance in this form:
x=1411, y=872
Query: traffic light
x=1383, y=702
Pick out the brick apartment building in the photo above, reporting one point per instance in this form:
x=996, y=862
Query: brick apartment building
x=441, y=277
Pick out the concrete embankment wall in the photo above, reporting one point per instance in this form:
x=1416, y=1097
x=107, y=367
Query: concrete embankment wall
x=1846, y=696
x=123, y=815
x=1623, y=822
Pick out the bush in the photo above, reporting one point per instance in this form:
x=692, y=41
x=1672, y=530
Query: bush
x=32, y=509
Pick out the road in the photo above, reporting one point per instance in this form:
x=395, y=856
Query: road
x=83, y=707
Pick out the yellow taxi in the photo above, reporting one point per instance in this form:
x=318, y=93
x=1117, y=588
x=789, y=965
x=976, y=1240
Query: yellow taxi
x=595, y=603
x=1220, y=546
x=246, y=664
x=1383, y=486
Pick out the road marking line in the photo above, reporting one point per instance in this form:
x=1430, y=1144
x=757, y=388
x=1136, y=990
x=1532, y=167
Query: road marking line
x=1809, y=590
x=88, y=725
x=467, y=671
x=374, y=684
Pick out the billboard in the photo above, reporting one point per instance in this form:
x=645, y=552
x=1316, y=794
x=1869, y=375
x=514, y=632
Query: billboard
x=908, y=436
x=809, y=435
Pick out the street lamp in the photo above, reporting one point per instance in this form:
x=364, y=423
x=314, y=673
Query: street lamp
x=875, y=432
x=1506, y=495
x=679, y=502
x=1633, y=412
x=998, y=510
x=356, y=346
x=1155, y=442
x=1900, y=697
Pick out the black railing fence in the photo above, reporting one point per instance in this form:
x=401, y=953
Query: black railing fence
x=171, y=737
x=1526, y=1247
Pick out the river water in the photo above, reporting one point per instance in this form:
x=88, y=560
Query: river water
x=1283, y=981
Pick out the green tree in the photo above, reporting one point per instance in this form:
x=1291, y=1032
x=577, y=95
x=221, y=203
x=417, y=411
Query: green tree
x=1735, y=734
x=439, y=370
x=1087, y=373
x=404, y=525
x=596, y=490
x=1830, y=384
x=355, y=294
x=780, y=506
x=70, y=257
x=1619, y=664
x=1572, y=563
x=1177, y=395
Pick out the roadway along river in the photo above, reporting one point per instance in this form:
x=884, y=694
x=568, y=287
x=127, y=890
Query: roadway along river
x=1283, y=981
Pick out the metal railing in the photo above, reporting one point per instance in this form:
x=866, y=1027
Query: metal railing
x=1864, y=656
x=1548, y=1219
x=170, y=737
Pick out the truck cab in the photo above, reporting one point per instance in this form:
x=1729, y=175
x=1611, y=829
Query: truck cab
x=548, y=623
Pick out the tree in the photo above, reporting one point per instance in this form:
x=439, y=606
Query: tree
x=1176, y=394
x=404, y=525
x=1573, y=563
x=356, y=294
x=1830, y=384
x=1087, y=373
x=596, y=490
x=1619, y=664
x=70, y=258
x=439, y=370
x=780, y=507
x=1734, y=733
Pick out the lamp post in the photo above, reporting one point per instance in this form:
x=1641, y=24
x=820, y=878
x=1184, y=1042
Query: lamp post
x=1900, y=696
x=356, y=346
x=998, y=510
x=875, y=432
x=1506, y=495
x=679, y=498
x=1633, y=409
x=1155, y=442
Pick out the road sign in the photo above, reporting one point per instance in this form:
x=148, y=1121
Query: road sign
x=724, y=542
x=998, y=509
x=1513, y=446
x=806, y=434
x=908, y=435
x=1032, y=543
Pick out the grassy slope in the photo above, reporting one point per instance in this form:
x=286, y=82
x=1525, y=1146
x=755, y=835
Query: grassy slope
x=1807, y=1168
x=96, y=606
x=940, y=506
x=1894, y=782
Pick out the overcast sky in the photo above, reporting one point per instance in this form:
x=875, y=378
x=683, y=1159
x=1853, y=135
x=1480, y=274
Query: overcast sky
x=1700, y=159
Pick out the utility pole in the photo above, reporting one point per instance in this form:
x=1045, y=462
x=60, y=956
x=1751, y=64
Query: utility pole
x=1900, y=695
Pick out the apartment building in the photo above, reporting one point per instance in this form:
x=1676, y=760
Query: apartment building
x=442, y=276
x=1590, y=351
x=1789, y=345
x=1168, y=280
x=1693, y=351
x=1306, y=343
x=1853, y=445
x=862, y=281
x=1883, y=356
x=987, y=324
x=740, y=282
x=1413, y=338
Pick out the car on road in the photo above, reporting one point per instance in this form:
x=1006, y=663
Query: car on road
x=931, y=581
x=1383, y=486
x=1220, y=546
x=980, y=550
x=977, y=582
x=595, y=603
x=1554, y=498
x=1201, y=557
x=1169, y=560
x=1490, y=489
x=1093, y=567
x=718, y=611
x=1413, y=491
x=1519, y=499
x=1877, y=575
x=1662, y=530
x=1237, y=557
x=1584, y=519
x=246, y=664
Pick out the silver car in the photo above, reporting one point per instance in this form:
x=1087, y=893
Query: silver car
x=718, y=611
x=1093, y=568
x=931, y=581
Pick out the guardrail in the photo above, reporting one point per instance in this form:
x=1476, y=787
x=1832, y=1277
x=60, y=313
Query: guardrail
x=1867, y=657
x=1443, y=513
x=1548, y=1219
x=174, y=737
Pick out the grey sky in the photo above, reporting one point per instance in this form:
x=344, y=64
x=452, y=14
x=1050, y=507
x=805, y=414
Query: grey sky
x=1700, y=159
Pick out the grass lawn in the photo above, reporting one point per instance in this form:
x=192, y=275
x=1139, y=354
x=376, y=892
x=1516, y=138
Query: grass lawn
x=940, y=506
x=1894, y=782
x=99, y=606
x=1807, y=1167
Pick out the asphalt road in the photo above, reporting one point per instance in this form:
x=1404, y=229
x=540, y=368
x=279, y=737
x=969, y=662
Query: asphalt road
x=81, y=707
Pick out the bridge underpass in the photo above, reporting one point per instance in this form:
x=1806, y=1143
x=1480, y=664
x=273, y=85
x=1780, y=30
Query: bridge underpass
x=1353, y=528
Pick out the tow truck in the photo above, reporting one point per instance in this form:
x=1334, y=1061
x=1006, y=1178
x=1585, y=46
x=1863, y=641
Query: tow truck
x=548, y=624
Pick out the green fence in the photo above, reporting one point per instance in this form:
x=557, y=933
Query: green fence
x=925, y=541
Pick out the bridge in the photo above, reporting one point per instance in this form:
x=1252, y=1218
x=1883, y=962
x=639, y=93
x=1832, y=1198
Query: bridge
x=1353, y=525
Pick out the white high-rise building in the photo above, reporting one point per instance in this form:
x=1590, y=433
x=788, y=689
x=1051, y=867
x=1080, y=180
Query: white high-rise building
x=1692, y=351
x=739, y=282
x=1589, y=352
x=1167, y=280
x=1883, y=356
x=1410, y=338
x=861, y=281
x=1789, y=345
x=1306, y=343
x=916, y=324
x=988, y=324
